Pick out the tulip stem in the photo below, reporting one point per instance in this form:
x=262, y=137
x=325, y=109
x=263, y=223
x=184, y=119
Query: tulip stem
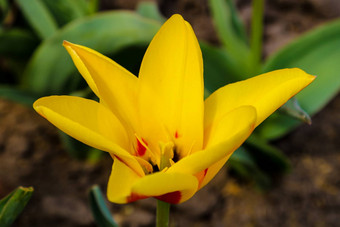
x=163, y=210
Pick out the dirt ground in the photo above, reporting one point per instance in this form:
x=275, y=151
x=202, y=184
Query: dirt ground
x=32, y=155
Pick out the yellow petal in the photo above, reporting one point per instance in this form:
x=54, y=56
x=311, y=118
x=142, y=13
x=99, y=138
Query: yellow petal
x=85, y=120
x=114, y=84
x=265, y=92
x=171, y=87
x=81, y=66
x=121, y=180
x=126, y=186
x=211, y=172
x=223, y=139
x=169, y=187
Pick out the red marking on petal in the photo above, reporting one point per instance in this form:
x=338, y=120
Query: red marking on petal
x=200, y=176
x=134, y=197
x=176, y=134
x=205, y=172
x=171, y=197
x=141, y=149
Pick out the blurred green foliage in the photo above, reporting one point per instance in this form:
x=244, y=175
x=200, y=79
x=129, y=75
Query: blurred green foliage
x=33, y=62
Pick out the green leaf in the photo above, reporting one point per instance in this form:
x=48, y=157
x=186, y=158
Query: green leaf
x=39, y=17
x=3, y=6
x=130, y=57
x=293, y=108
x=12, y=205
x=150, y=10
x=17, y=95
x=78, y=150
x=230, y=30
x=258, y=161
x=245, y=167
x=50, y=67
x=65, y=11
x=219, y=68
x=316, y=52
x=3, y=9
x=267, y=156
x=237, y=23
x=17, y=43
x=81, y=5
x=276, y=126
x=100, y=212
x=92, y=6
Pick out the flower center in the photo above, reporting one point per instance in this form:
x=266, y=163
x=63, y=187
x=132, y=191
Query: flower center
x=154, y=162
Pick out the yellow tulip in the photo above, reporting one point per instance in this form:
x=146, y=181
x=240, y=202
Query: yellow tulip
x=165, y=140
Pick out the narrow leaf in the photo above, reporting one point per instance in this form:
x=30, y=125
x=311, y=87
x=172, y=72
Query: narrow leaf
x=78, y=150
x=150, y=10
x=106, y=32
x=269, y=157
x=17, y=95
x=293, y=108
x=228, y=29
x=316, y=52
x=64, y=11
x=219, y=67
x=12, y=205
x=17, y=43
x=93, y=6
x=100, y=212
x=3, y=9
x=39, y=17
x=276, y=126
x=245, y=167
x=237, y=23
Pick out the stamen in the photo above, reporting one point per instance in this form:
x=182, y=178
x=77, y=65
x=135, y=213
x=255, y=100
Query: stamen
x=147, y=167
x=171, y=162
x=167, y=153
x=165, y=169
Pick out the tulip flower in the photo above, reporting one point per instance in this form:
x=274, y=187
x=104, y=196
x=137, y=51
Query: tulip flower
x=166, y=141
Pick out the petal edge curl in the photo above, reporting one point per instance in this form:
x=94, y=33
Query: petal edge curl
x=78, y=117
x=266, y=92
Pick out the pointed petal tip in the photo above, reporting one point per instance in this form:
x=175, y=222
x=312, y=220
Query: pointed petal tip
x=38, y=107
x=68, y=44
x=176, y=17
x=301, y=72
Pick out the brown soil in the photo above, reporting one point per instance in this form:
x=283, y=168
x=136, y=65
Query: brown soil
x=32, y=155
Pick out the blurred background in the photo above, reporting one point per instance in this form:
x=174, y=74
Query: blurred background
x=287, y=174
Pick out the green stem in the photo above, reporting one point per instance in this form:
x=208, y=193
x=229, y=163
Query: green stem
x=257, y=33
x=163, y=210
